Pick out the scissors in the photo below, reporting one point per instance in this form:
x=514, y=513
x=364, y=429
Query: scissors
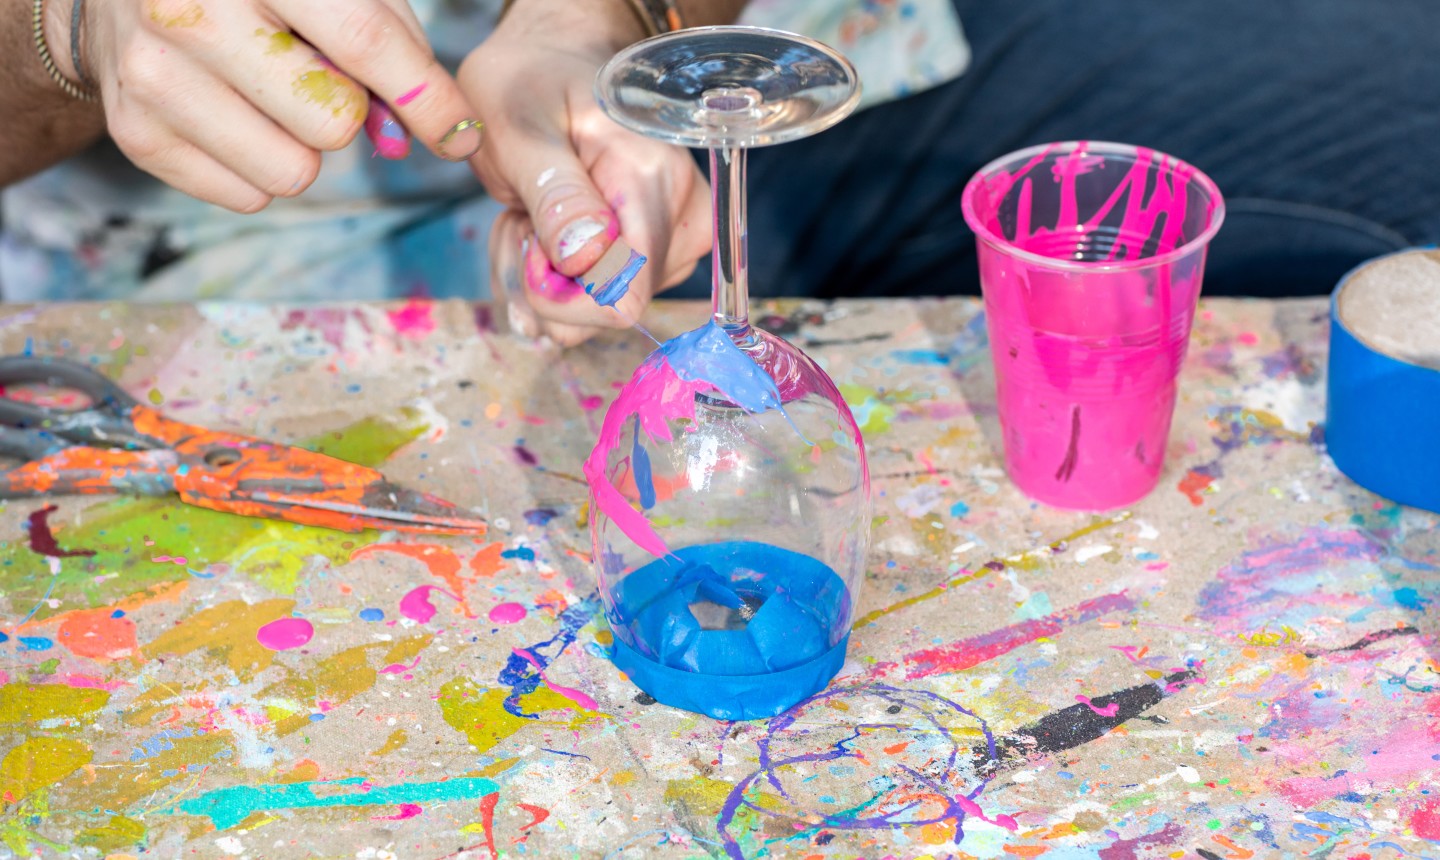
x=115, y=444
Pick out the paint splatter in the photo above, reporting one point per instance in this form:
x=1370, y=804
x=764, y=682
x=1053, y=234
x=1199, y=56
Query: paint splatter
x=372, y=614
x=414, y=320
x=227, y=807
x=100, y=634
x=282, y=634
x=416, y=604
x=519, y=673
x=508, y=613
x=1109, y=710
x=1193, y=485
x=409, y=96
x=42, y=540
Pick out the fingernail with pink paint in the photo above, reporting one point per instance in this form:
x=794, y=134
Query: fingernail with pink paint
x=582, y=232
x=385, y=132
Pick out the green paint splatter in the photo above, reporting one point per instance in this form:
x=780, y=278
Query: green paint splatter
x=126, y=534
x=1213, y=824
x=872, y=412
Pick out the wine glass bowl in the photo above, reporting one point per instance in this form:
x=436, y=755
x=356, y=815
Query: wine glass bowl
x=730, y=512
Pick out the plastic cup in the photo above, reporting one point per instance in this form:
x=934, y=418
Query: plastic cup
x=1091, y=256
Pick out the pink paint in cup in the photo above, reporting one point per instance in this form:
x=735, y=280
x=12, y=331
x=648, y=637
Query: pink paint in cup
x=1091, y=256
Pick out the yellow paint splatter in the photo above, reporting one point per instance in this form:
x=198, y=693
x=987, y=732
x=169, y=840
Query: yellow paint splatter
x=156, y=397
x=323, y=87
x=226, y=631
x=480, y=714
x=187, y=15
x=118, y=832
x=336, y=680
x=702, y=796
x=35, y=703
x=397, y=740
x=279, y=42
x=39, y=763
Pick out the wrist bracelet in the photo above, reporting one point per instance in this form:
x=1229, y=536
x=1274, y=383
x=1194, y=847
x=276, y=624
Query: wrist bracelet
x=37, y=20
x=77, y=16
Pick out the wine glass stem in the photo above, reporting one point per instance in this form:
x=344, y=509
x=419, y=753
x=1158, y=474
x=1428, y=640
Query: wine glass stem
x=729, y=280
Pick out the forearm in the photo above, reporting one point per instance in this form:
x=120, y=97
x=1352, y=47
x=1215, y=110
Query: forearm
x=42, y=125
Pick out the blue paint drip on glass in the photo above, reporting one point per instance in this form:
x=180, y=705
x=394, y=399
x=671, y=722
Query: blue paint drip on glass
x=618, y=284
x=640, y=466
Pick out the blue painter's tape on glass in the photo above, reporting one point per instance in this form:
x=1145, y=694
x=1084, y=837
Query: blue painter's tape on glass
x=737, y=630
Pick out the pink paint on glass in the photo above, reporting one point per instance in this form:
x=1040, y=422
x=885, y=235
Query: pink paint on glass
x=416, y=604
x=1091, y=258
x=410, y=96
x=570, y=693
x=1109, y=710
x=283, y=634
x=414, y=320
x=508, y=613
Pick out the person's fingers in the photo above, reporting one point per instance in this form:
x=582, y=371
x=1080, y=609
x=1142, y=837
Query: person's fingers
x=236, y=135
x=507, y=234
x=181, y=164
x=388, y=136
x=375, y=47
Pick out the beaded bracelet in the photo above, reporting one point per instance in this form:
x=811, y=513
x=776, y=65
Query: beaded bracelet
x=37, y=20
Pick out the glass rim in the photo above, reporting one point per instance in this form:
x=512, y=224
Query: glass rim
x=1103, y=147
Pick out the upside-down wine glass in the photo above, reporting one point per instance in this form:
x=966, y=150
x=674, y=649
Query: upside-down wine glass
x=731, y=497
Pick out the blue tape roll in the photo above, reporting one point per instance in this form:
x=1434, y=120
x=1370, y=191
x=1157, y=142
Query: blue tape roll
x=1382, y=421
x=736, y=630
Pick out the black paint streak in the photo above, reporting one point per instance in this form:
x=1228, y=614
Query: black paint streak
x=1067, y=468
x=42, y=540
x=1078, y=725
x=644, y=699
x=1208, y=854
x=1367, y=640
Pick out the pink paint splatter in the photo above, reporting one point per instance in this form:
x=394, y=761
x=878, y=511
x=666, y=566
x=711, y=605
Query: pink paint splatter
x=410, y=96
x=542, y=278
x=416, y=604
x=282, y=634
x=171, y=559
x=414, y=320
x=86, y=682
x=1109, y=710
x=507, y=613
x=407, y=810
x=591, y=403
x=400, y=668
x=573, y=695
x=385, y=132
x=970, y=807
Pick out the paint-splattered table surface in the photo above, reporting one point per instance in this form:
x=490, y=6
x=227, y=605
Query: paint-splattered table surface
x=1242, y=665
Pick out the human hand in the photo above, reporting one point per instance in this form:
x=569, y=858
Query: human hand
x=573, y=179
x=232, y=101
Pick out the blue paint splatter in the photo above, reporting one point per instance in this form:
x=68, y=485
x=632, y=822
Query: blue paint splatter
x=35, y=643
x=159, y=743
x=640, y=466
x=521, y=677
x=921, y=356
x=541, y=516
x=959, y=509
x=524, y=553
x=1409, y=598
x=372, y=614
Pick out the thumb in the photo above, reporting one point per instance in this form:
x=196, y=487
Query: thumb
x=573, y=221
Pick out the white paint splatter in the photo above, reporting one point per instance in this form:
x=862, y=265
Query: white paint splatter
x=1147, y=531
x=1188, y=773
x=230, y=845
x=920, y=501
x=1085, y=553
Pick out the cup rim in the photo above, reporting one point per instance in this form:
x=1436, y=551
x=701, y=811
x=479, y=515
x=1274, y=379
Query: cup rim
x=1104, y=147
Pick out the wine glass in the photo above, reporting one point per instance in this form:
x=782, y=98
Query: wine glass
x=730, y=512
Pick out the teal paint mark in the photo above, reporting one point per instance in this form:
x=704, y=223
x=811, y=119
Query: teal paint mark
x=227, y=807
x=921, y=356
x=1036, y=605
x=959, y=509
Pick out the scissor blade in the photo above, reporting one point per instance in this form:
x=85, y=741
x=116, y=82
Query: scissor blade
x=384, y=505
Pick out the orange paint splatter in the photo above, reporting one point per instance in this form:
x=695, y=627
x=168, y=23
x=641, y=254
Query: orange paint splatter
x=1026, y=850
x=552, y=603
x=487, y=561
x=1237, y=852
x=895, y=749
x=100, y=634
x=1193, y=484
x=441, y=561
x=539, y=812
